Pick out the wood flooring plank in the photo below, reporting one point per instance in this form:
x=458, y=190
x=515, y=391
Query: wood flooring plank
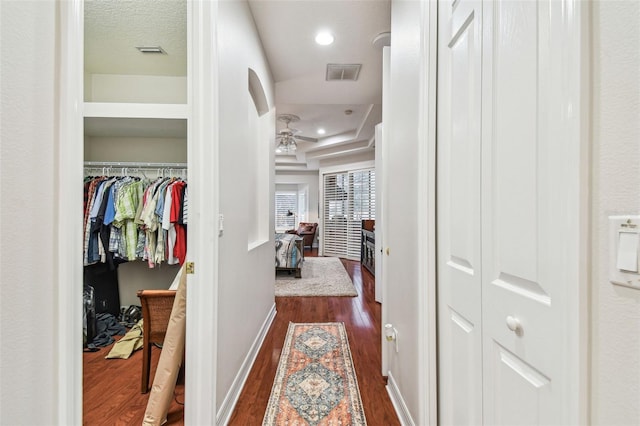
x=111, y=390
x=112, y=387
x=361, y=316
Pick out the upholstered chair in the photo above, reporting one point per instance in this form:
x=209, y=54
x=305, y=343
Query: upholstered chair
x=307, y=231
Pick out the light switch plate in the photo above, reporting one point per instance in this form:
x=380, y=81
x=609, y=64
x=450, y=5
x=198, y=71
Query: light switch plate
x=626, y=224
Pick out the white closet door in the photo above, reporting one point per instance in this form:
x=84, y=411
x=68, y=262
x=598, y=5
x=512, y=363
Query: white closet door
x=526, y=184
x=458, y=214
x=509, y=212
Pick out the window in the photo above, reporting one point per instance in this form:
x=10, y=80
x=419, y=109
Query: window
x=286, y=201
x=349, y=197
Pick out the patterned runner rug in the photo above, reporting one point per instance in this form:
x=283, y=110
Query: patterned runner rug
x=315, y=383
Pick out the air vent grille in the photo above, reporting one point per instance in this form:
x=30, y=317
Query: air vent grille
x=343, y=72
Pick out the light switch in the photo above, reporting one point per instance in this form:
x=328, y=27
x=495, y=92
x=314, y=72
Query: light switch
x=627, y=259
x=624, y=247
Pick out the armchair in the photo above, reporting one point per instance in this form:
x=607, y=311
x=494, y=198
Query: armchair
x=307, y=231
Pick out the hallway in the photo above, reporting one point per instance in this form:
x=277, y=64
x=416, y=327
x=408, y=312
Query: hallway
x=361, y=316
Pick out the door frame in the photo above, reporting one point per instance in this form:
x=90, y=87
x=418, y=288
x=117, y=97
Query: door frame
x=204, y=225
x=427, y=247
x=70, y=153
x=202, y=294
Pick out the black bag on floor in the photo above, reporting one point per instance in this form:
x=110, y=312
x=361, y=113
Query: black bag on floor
x=89, y=315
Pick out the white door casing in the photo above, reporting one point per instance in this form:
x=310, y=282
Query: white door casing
x=458, y=212
x=203, y=144
x=531, y=166
x=379, y=283
x=204, y=206
x=381, y=207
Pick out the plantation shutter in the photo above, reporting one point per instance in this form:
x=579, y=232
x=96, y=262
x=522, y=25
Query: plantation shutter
x=285, y=202
x=349, y=197
x=335, y=214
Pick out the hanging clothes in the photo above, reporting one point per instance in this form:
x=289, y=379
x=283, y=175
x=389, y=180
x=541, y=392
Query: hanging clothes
x=127, y=218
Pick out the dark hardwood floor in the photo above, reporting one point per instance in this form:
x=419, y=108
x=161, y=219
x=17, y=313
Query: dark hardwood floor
x=111, y=390
x=112, y=387
x=361, y=316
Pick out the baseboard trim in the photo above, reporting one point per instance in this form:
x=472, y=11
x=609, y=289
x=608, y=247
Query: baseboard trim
x=398, y=402
x=230, y=401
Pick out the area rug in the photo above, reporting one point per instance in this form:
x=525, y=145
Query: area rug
x=315, y=382
x=321, y=276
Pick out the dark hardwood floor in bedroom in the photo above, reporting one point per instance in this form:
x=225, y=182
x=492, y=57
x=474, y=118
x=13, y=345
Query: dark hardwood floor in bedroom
x=361, y=316
x=112, y=387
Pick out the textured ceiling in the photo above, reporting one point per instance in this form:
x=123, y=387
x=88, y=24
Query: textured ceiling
x=113, y=29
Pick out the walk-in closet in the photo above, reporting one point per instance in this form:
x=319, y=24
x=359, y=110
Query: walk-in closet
x=135, y=158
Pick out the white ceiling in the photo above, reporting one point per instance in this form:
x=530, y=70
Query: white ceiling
x=113, y=29
x=287, y=29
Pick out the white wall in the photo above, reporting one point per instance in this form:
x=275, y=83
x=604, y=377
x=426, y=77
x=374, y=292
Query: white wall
x=156, y=150
x=616, y=190
x=28, y=259
x=135, y=88
x=349, y=159
x=246, y=278
x=134, y=276
x=401, y=198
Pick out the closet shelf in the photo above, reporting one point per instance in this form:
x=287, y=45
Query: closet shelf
x=134, y=110
x=134, y=164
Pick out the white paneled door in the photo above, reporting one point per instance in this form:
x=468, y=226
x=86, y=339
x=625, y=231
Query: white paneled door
x=507, y=190
x=459, y=213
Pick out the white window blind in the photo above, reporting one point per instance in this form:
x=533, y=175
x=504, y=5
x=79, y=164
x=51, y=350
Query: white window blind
x=349, y=197
x=302, y=206
x=285, y=202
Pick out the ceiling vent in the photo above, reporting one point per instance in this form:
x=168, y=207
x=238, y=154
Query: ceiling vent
x=343, y=72
x=151, y=49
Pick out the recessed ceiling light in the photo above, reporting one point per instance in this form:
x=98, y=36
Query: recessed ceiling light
x=324, y=38
x=321, y=131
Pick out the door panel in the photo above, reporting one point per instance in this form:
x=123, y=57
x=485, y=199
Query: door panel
x=459, y=244
x=464, y=380
x=521, y=366
x=520, y=390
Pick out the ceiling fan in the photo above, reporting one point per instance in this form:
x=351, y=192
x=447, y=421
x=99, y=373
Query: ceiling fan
x=287, y=138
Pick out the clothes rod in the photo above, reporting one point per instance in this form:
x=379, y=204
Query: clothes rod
x=134, y=164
